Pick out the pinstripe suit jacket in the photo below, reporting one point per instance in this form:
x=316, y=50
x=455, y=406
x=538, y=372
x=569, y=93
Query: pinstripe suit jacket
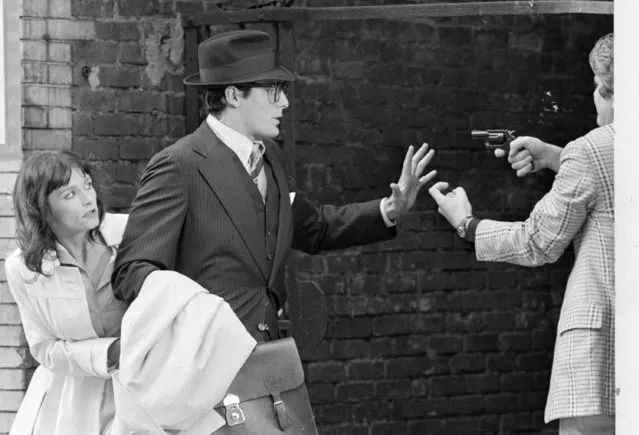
x=193, y=214
x=578, y=208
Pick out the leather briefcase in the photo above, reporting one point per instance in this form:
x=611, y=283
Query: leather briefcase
x=268, y=395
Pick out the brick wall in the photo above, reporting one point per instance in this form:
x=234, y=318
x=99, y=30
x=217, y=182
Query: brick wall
x=12, y=352
x=422, y=338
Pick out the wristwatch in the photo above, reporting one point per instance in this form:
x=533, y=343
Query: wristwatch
x=461, y=229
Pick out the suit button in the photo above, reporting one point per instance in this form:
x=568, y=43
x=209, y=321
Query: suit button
x=262, y=327
x=269, y=257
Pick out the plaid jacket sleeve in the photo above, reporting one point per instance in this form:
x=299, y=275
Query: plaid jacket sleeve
x=554, y=221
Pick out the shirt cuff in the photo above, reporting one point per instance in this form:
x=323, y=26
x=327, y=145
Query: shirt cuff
x=389, y=223
x=472, y=229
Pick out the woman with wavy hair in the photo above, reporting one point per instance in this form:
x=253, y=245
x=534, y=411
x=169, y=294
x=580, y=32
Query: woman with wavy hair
x=60, y=279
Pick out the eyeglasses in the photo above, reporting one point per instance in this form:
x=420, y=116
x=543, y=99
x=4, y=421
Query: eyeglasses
x=273, y=90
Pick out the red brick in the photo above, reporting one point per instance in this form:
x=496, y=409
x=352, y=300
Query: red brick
x=407, y=367
x=118, y=196
x=119, y=76
x=346, y=349
x=117, y=31
x=354, y=391
x=95, y=52
x=445, y=344
x=465, y=363
x=319, y=393
x=92, y=8
x=152, y=125
x=96, y=148
x=345, y=327
x=176, y=126
x=82, y=123
x=132, y=53
x=447, y=386
x=365, y=369
x=140, y=101
x=93, y=100
x=394, y=389
x=483, y=383
x=134, y=8
x=140, y=148
x=116, y=124
x=326, y=372
x=175, y=103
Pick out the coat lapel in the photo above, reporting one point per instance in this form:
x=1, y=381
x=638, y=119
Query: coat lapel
x=218, y=169
x=284, y=223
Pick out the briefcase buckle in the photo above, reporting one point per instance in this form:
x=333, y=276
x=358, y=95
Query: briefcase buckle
x=234, y=414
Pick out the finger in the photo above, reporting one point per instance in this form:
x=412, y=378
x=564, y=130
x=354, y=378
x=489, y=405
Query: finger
x=499, y=153
x=406, y=167
x=420, y=154
x=522, y=163
x=517, y=145
x=519, y=156
x=460, y=191
x=525, y=170
x=424, y=162
x=436, y=191
x=426, y=178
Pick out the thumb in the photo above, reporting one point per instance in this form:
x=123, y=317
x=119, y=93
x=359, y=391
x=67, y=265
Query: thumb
x=396, y=190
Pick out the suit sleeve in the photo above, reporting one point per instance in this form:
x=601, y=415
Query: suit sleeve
x=154, y=227
x=553, y=223
x=79, y=358
x=329, y=227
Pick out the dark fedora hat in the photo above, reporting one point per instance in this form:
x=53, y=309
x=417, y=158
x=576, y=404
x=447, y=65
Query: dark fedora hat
x=239, y=56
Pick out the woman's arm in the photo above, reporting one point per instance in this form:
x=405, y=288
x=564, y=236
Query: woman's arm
x=81, y=358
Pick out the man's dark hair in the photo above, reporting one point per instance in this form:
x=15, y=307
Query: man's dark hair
x=215, y=100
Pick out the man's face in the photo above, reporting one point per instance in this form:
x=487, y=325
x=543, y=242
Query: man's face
x=605, y=110
x=260, y=114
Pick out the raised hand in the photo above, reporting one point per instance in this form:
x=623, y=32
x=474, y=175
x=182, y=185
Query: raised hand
x=404, y=192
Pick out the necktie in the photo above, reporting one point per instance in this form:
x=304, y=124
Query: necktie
x=256, y=164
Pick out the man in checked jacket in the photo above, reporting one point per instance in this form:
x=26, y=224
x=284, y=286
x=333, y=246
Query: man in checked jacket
x=578, y=208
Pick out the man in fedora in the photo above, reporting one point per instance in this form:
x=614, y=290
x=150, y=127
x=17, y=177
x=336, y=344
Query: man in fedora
x=217, y=207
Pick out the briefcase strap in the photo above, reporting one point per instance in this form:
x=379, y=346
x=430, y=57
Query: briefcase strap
x=280, y=409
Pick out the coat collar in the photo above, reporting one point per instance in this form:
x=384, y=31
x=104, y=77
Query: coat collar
x=111, y=228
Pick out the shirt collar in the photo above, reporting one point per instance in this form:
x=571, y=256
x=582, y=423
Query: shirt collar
x=64, y=256
x=241, y=145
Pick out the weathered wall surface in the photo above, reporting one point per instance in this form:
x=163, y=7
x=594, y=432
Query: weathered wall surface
x=422, y=337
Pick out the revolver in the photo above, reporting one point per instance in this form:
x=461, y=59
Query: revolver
x=495, y=138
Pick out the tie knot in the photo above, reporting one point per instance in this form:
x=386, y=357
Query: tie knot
x=258, y=148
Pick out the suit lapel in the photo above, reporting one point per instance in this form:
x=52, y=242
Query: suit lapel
x=218, y=169
x=284, y=222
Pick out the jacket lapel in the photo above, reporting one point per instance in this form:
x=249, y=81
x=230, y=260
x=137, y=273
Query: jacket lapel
x=284, y=223
x=218, y=169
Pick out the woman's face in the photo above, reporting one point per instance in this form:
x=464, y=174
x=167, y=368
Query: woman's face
x=605, y=110
x=73, y=207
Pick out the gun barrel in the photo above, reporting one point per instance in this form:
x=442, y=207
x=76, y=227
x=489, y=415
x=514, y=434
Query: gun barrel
x=480, y=134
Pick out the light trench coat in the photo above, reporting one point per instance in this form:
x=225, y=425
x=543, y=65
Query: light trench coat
x=71, y=392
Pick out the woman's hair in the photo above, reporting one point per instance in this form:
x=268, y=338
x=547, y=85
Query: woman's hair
x=215, y=100
x=602, y=64
x=43, y=172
